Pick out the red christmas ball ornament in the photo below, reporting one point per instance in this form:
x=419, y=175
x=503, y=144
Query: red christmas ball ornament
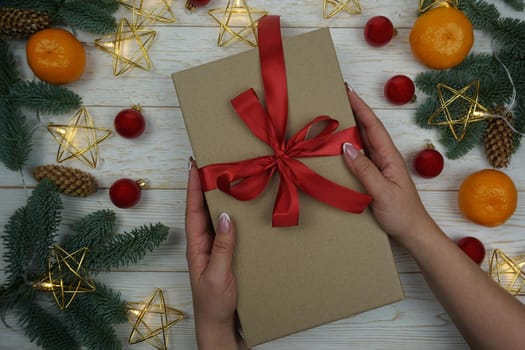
x=379, y=30
x=192, y=4
x=125, y=193
x=428, y=162
x=130, y=123
x=473, y=248
x=399, y=90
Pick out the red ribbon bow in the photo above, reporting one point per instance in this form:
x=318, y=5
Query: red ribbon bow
x=269, y=125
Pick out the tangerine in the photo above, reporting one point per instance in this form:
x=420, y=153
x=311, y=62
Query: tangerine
x=56, y=56
x=488, y=197
x=442, y=37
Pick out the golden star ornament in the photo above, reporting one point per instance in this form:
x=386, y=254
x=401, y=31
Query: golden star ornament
x=237, y=21
x=66, y=276
x=128, y=46
x=334, y=7
x=78, y=139
x=508, y=273
x=151, y=320
x=149, y=11
x=465, y=108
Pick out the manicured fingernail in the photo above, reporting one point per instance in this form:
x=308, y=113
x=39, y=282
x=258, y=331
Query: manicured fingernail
x=225, y=223
x=190, y=163
x=348, y=87
x=350, y=151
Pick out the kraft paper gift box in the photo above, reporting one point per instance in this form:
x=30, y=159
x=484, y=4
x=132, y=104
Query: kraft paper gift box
x=332, y=264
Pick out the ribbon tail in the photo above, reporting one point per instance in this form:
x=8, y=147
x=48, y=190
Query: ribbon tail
x=327, y=191
x=286, y=208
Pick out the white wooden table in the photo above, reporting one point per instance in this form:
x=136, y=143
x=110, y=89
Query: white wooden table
x=160, y=155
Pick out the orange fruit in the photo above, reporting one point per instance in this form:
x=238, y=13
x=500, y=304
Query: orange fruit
x=488, y=197
x=442, y=37
x=56, y=56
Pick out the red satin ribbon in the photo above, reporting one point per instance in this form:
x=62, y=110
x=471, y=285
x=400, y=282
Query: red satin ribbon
x=246, y=179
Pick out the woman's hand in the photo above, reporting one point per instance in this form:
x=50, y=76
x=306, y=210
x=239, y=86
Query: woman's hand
x=213, y=285
x=396, y=204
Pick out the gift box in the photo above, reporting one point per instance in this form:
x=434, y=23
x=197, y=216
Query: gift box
x=301, y=260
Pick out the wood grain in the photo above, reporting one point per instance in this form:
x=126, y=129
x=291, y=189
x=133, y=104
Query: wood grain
x=161, y=154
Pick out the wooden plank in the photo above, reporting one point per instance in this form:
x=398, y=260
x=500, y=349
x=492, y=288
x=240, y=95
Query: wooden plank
x=162, y=152
x=167, y=206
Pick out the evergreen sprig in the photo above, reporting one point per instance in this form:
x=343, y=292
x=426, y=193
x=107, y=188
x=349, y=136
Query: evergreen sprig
x=30, y=232
x=44, y=328
x=9, y=75
x=46, y=98
x=88, y=17
x=91, y=231
x=88, y=322
x=518, y=5
x=508, y=43
x=15, y=136
x=131, y=247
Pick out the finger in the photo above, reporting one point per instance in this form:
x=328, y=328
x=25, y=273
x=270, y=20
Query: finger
x=365, y=171
x=377, y=139
x=220, y=266
x=197, y=238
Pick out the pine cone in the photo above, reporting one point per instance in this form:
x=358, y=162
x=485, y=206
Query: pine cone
x=20, y=24
x=71, y=181
x=499, y=139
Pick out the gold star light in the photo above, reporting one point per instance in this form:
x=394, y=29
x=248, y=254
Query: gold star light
x=65, y=277
x=333, y=7
x=509, y=273
x=151, y=320
x=148, y=11
x=237, y=21
x=78, y=139
x=465, y=104
x=425, y=5
x=128, y=46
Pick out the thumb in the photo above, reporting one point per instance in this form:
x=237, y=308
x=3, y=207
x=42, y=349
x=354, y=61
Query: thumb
x=222, y=250
x=364, y=170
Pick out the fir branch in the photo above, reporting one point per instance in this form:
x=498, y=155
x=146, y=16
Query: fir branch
x=15, y=136
x=457, y=149
x=93, y=331
x=8, y=72
x=131, y=247
x=43, y=208
x=482, y=14
x=88, y=17
x=12, y=294
x=424, y=111
x=92, y=230
x=44, y=328
x=105, y=303
x=510, y=35
x=30, y=232
x=518, y=5
x=18, y=251
x=43, y=97
x=110, y=6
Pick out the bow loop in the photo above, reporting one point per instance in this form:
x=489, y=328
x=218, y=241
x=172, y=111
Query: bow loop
x=245, y=180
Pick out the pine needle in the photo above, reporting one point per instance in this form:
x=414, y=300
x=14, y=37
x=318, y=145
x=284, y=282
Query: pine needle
x=46, y=98
x=131, y=247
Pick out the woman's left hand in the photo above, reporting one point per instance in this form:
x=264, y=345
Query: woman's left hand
x=213, y=285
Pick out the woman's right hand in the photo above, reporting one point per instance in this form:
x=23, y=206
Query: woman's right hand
x=396, y=204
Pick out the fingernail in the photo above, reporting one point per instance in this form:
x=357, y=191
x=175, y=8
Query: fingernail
x=348, y=87
x=350, y=151
x=190, y=163
x=225, y=223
